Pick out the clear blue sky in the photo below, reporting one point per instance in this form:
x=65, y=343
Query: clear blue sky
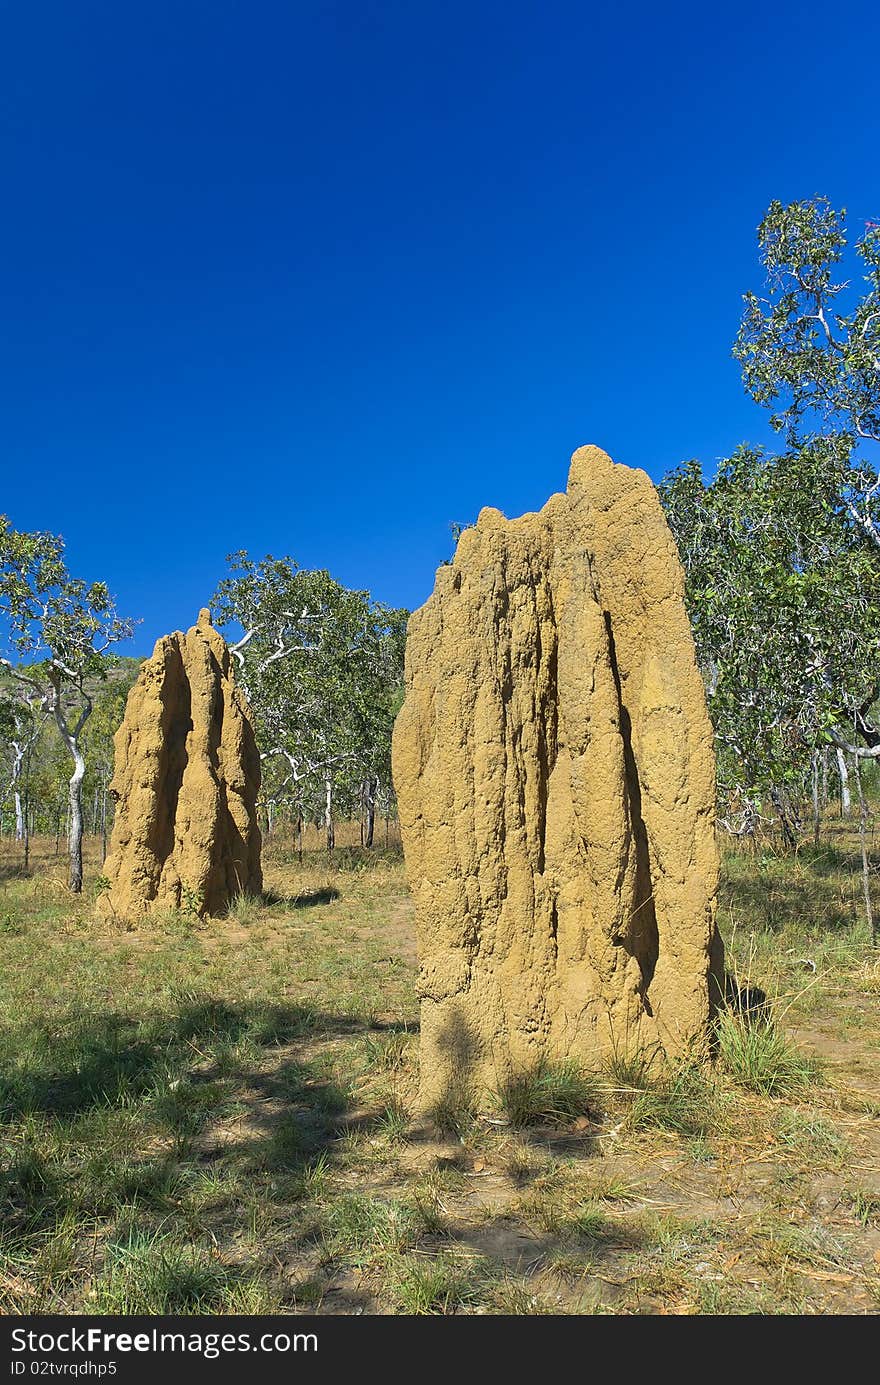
x=320, y=278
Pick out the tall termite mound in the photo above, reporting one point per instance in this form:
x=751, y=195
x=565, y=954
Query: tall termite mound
x=555, y=774
x=186, y=779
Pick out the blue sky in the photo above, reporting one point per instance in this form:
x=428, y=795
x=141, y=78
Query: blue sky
x=321, y=278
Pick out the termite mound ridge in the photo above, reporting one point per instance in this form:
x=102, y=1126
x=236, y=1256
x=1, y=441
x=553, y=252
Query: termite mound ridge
x=555, y=774
x=186, y=779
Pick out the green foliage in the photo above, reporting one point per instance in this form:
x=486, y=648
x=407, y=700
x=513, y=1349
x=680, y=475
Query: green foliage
x=322, y=667
x=63, y=628
x=810, y=348
x=49, y=614
x=782, y=554
x=191, y=900
x=782, y=591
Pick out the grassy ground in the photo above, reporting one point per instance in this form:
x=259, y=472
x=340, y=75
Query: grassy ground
x=217, y=1117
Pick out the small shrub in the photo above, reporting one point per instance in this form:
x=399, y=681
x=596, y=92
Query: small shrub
x=245, y=908
x=151, y=1273
x=437, y=1286
x=362, y=1230
x=759, y=1058
x=550, y=1093
x=191, y=901
x=865, y=1206
x=680, y=1099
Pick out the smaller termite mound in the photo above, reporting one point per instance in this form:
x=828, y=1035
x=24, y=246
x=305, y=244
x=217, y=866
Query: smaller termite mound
x=186, y=779
x=555, y=774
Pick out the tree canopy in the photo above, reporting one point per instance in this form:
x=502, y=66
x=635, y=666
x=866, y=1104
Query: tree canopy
x=321, y=666
x=60, y=628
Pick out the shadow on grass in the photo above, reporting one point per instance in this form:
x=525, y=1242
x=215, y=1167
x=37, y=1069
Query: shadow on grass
x=306, y=900
x=109, y=1059
x=291, y=1114
x=797, y=903
x=343, y=858
x=104, y=1111
x=15, y=870
x=826, y=860
x=309, y=900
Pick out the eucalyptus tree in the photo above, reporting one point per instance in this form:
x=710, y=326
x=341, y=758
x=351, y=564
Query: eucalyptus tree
x=781, y=588
x=809, y=346
x=319, y=664
x=59, y=629
x=21, y=723
x=98, y=746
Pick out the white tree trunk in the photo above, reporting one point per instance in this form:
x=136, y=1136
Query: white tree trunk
x=103, y=818
x=866, y=864
x=17, y=762
x=75, y=835
x=328, y=813
x=74, y=796
x=845, y=800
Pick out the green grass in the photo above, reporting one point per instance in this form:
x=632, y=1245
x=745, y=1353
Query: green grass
x=246, y=909
x=432, y=1285
x=680, y=1098
x=219, y=1116
x=810, y=1135
x=865, y=1206
x=548, y=1093
x=758, y=1057
x=152, y=1273
x=361, y=1231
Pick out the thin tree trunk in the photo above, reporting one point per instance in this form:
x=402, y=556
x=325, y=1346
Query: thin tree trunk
x=74, y=798
x=370, y=804
x=103, y=819
x=866, y=864
x=845, y=801
x=824, y=779
x=27, y=814
x=299, y=835
x=17, y=762
x=328, y=814
x=817, y=811
x=75, y=835
x=787, y=822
